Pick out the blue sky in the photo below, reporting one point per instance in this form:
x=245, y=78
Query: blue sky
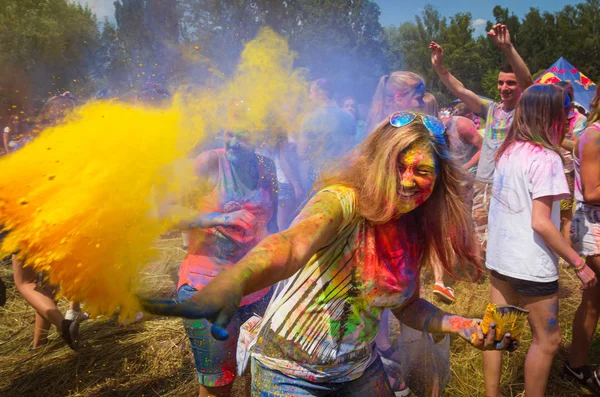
x=394, y=12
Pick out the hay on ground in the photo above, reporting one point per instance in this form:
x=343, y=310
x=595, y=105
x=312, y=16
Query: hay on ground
x=152, y=357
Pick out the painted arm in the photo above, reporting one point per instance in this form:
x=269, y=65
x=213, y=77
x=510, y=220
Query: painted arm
x=589, y=150
x=541, y=223
x=206, y=167
x=416, y=313
x=469, y=98
x=275, y=258
x=501, y=37
x=468, y=134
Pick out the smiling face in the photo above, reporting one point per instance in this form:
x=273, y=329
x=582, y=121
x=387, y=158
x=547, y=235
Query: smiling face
x=417, y=175
x=508, y=87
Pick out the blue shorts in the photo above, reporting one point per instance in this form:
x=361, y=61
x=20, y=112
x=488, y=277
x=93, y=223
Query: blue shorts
x=216, y=360
x=269, y=383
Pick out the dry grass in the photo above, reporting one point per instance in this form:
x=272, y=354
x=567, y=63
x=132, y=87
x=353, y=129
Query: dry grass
x=153, y=358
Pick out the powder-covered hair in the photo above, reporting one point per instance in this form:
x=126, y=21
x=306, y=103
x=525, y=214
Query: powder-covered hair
x=393, y=85
x=594, y=115
x=443, y=221
x=539, y=119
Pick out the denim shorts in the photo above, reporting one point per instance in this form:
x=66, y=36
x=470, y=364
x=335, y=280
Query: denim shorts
x=216, y=360
x=270, y=383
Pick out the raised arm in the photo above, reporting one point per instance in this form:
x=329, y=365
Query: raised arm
x=469, y=98
x=275, y=258
x=501, y=37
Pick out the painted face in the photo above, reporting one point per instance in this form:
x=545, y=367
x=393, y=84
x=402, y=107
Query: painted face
x=508, y=88
x=350, y=107
x=238, y=145
x=417, y=175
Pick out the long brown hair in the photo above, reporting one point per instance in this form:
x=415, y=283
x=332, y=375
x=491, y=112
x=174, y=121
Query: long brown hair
x=539, y=119
x=594, y=115
x=443, y=221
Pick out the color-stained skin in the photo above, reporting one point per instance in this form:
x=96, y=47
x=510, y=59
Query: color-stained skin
x=417, y=175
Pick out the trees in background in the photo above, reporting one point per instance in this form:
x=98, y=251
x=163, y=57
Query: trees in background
x=50, y=46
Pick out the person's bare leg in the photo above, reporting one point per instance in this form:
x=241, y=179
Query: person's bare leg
x=586, y=319
x=501, y=293
x=543, y=319
x=41, y=301
x=40, y=334
x=438, y=273
x=222, y=391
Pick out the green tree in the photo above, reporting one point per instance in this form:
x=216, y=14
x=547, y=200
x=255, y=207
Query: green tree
x=50, y=45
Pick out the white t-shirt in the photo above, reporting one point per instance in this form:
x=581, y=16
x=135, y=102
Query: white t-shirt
x=524, y=172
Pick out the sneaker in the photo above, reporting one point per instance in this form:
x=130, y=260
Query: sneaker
x=76, y=315
x=445, y=294
x=586, y=376
x=400, y=389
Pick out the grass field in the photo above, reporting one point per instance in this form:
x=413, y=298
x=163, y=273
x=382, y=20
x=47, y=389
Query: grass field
x=152, y=357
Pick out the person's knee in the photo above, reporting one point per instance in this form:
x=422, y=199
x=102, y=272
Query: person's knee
x=549, y=343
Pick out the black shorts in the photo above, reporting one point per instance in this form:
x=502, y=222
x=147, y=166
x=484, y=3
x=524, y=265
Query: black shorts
x=528, y=288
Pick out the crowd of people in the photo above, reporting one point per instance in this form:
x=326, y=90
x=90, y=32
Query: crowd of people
x=325, y=233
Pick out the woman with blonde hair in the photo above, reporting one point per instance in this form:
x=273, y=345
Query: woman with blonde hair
x=395, y=92
x=356, y=249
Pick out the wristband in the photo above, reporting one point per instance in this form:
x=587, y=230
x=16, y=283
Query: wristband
x=579, y=267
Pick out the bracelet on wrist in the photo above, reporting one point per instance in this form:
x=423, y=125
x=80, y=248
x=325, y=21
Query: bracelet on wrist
x=579, y=266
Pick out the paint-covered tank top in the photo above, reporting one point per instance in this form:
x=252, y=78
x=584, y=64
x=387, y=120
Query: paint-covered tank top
x=215, y=249
x=322, y=326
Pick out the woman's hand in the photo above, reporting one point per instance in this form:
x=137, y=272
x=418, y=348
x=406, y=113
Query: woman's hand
x=470, y=330
x=217, y=303
x=587, y=276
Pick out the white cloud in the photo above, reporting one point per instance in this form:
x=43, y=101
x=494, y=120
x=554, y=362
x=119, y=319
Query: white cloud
x=478, y=22
x=479, y=26
x=102, y=8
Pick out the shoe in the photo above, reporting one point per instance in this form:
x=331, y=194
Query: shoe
x=586, y=376
x=70, y=333
x=76, y=315
x=400, y=389
x=445, y=294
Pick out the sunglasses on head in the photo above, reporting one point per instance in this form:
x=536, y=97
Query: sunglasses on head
x=433, y=124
